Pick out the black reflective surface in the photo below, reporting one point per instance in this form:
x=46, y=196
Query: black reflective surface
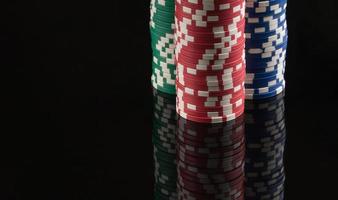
x=77, y=116
x=240, y=159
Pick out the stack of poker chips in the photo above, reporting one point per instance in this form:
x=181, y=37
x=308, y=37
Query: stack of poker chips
x=162, y=43
x=266, y=43
x=164, y=144
x=210, y=163
x=265, y=140
x=210, y=59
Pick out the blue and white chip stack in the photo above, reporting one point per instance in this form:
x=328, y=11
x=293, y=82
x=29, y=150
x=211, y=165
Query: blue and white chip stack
x=266, y=44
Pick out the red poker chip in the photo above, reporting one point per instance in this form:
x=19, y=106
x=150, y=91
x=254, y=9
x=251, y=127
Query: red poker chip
x=210, y=38
x=226, y=27
x=184, y=193
x=209, y=53
x=192, y=195
x=232, y=89
x=211, y=100
x=210, y=68
x=199, y=5
x=198, y=47
x=208, y=48
x=223, y=189
x=226, y=188
x=211, y=81
x=200, y=110
x=205, y=59
x=210, y=119
x=227, y=69
x=203, y=173
x=222, y=82
x=203, y=33
x=189, y=196
x=184, y=55
x=207, y=28
x=229, y=86
x=212, y=50
x=230, y=19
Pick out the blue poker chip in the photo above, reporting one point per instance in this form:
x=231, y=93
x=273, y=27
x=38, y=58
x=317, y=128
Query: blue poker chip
x=261, y=85
x=264, y=27
x=264, y=3
x=271, y=93
x=264, y=19
x=253, y=76
x=262, y=70
x=266, y=62
x=269, y=52
x=274, y=40
x=250, y=34
x=275, y=7
x=263, y=90
x=252, y=12
x=266, y=82
x=267, y=65
x=266, y=42
x=266, y=47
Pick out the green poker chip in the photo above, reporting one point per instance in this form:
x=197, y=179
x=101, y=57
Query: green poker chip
x=162, y=26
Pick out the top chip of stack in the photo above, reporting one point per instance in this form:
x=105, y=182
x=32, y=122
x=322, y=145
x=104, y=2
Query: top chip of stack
x=210, y=59
x=162, y=42
x=265, y=140
x=266, y=44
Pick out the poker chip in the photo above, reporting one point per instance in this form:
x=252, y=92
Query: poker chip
x=164, y=145
x=265, y=48
x=265, y=140
x=162, y=26
x=210, y=59
x=210, y=159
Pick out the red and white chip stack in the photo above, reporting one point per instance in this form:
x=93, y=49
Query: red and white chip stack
x=210, y=59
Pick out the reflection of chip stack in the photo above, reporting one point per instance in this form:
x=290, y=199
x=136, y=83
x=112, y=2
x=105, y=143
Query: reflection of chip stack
x=266, y=43
x=162, y=42
x=265, y=139
x=210, y=59
x=164, y=128
x=210, y=160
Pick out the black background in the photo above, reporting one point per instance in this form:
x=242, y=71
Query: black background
x=78, y=104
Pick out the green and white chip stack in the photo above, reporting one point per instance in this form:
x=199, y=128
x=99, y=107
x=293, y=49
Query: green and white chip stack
x=162, y=25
